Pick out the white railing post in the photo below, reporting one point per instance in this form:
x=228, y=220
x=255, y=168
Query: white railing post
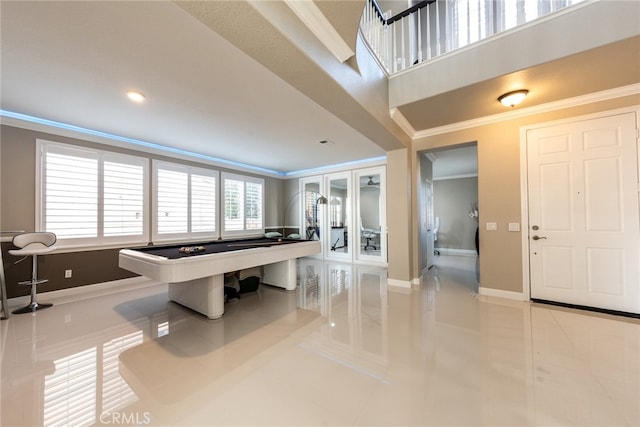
x=403, y=53
x=419, y=37
x=394, y=44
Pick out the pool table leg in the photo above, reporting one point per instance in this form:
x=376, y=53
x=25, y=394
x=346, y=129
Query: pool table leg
x=281, y=274
x=204, y=295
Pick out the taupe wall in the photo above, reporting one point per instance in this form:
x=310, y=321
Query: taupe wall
x=499, y=194
x=17, y=212
x=452, y=201
x=399, y=217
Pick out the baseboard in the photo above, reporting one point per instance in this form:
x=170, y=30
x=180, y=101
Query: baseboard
x=399, y=283
x=457, y=252
x=490, y=292
x=62, y=296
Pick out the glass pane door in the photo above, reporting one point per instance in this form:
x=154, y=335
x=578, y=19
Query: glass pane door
x=338, y=216
x=371, y=241
x=312, y=203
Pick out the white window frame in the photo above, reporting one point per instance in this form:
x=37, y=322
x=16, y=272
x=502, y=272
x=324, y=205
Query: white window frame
x=244, y=232
x=189, y=235
x=43, y=147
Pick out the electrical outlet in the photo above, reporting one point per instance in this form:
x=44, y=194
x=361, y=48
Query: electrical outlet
x=68, y=273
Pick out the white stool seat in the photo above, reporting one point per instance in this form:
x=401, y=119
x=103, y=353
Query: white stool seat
x=32, y=249
x=33, y=244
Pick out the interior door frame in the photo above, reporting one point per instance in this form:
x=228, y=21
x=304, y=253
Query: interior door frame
x=524, y=173
x=429, y=224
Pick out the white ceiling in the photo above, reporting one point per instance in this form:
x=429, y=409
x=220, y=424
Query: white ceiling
x=72, y=62
x=456, y=162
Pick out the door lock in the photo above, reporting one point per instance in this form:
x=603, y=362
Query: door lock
x=538, y=237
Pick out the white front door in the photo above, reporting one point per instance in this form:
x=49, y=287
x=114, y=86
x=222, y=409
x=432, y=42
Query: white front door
x=584, y=233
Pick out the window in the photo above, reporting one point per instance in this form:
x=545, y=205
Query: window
x=243, y=205
x=185, y=202
x=90, y=197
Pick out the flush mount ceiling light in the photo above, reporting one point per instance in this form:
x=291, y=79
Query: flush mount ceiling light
x=511, y=99
x=135, y=96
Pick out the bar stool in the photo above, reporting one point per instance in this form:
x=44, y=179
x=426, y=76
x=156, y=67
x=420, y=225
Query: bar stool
x=33, y=244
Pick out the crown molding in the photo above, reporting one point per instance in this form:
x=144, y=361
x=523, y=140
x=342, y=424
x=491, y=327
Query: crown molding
x=465, y=175
x=402, y=121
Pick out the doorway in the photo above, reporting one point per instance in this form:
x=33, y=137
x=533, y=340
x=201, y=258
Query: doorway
x=448, y=193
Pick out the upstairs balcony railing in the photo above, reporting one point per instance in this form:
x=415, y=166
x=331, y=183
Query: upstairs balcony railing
x=431, y=28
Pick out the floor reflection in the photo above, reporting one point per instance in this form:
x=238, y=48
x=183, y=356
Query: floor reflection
x=352, y=300
x=343, y=349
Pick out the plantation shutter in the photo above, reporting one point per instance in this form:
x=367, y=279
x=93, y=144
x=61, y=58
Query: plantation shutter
x=172, y=201
x=243, y=205
x=253, y=206
x=71, y=194
x=233, y=205
x=185, y=202
x=203, y=203
x=89, y=197
x=123, y=199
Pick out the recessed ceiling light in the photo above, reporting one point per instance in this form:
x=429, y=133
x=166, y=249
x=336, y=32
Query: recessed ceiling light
x=135, y=96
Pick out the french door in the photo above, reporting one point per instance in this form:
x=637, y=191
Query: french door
x=346, y=211
x=338, y=232
x=370, y=231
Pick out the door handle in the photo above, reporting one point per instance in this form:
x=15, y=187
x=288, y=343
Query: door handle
x=538, y=237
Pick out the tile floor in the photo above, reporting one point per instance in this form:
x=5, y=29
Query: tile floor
x=354, y=353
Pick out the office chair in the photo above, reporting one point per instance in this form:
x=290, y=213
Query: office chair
x=33, y=244
x=369, y=235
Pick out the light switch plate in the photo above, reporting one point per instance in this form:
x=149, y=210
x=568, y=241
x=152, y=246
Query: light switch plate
x=492, y=226
x=514, y=226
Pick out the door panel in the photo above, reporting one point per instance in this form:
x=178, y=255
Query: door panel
x=556, y=210
x=338, y=216
x=370, y=222
x=606, y=271
x=603, y=194
x=310, y=211
x=583, y=213
x=556, y=265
